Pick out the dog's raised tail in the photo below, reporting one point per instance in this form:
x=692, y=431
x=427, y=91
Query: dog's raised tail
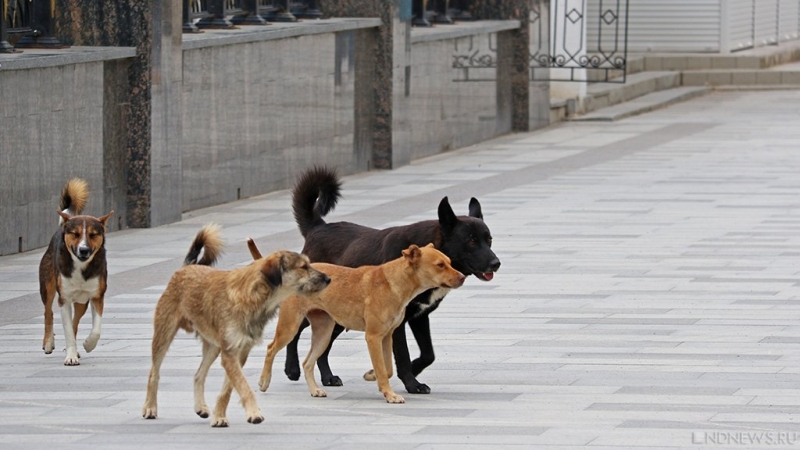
x=209, y=241
x=315, y=195
x=74, y=196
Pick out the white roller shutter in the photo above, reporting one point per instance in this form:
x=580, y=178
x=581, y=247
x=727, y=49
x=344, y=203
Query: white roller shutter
x=766, y=22
x=789, y=11
x=673, y=26
x=740, y=24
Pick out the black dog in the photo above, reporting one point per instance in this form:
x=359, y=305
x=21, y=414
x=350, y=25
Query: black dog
x=466, y=240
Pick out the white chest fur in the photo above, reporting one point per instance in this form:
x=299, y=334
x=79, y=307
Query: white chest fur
x=436, y=296
x=77, y=289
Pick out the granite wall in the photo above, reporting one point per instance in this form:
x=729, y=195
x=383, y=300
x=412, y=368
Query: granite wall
x=53, y=128
x=257, y=113
x=453, y=107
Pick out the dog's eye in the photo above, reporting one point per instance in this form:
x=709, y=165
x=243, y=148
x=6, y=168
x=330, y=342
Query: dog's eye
x=472, y=241
x=489, y=240
x=93, y=235
x=440, y=265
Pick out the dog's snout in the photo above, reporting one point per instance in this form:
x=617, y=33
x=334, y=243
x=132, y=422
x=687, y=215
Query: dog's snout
x=84, y=251
x=494, y=265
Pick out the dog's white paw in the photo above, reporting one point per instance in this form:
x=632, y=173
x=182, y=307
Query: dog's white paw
x=91, y=342
x=72, y=360
x=391, y=397
x=318, y=393
x=370, y=375
x=220, y=422
x=149, y=412
x=263, y=384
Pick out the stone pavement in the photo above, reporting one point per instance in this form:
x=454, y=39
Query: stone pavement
x=648, y=298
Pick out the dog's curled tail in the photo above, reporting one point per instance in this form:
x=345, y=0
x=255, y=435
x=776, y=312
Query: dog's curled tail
x=315, y=195
x=209, y=240
x=74, y=196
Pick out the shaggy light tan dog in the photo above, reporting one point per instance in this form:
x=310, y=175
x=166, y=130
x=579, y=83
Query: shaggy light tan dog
x=228, y=310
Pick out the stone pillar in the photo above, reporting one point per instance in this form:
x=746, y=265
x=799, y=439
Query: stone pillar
x=516, y=46
x=391, y=143
x=151, y=129
x=539, y=47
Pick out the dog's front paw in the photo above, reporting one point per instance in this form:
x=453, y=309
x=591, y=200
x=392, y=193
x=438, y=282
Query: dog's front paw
x=318, y=393
x=292, y=373
x=91, y=342
x=149, y=412
x=391, y=397
x=72, y=360
x=263, y=383
x=370, y=375
x=255, y=418
x=203, y=412
x=333, y=380
x=49, y=344
x=418, y=388
x=220, y=422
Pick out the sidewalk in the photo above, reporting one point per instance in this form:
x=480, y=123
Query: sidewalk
x=648, y=298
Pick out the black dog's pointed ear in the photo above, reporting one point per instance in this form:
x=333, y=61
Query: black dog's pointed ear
x=447, y=218
x=272, y=271
x=475, y=208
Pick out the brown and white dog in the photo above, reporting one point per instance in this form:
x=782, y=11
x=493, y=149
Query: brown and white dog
x=372, y=299
x=74, y=266
x=228, y=311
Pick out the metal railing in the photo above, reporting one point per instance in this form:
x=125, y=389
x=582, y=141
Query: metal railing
x=222, y=14
x=15, y=19
x=29, y=22
x=426, y=13
x=558, y=44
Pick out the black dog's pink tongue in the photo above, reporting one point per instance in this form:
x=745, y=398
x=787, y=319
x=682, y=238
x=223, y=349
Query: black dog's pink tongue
x=488, y=276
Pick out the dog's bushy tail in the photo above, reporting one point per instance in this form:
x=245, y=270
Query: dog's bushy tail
x=209, y=240
x=315, y=195
x=74, y=196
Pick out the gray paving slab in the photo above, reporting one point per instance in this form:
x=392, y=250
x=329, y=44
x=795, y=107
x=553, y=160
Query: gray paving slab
x=648, y=298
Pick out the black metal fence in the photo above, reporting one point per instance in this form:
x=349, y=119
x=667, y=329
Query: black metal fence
x=27, y=23
x=221, y=14
x=15, y=20
x=429, y=12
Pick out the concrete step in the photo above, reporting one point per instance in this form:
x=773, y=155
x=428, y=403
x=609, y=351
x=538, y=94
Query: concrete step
x=643, y=104
x=602, y=95
x=755, y=58
x=775, y=76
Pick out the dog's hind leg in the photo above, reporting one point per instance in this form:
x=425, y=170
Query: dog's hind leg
x=47, y=290
x=288, y=322
x=165, y=326
x=210, y=353
x=232, y=363
x=97, y=317
x=325, y=373
x=321, y=328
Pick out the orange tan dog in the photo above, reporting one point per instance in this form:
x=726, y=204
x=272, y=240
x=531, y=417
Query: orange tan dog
x=228, y=310
x=74, y=266
x=369, y=298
